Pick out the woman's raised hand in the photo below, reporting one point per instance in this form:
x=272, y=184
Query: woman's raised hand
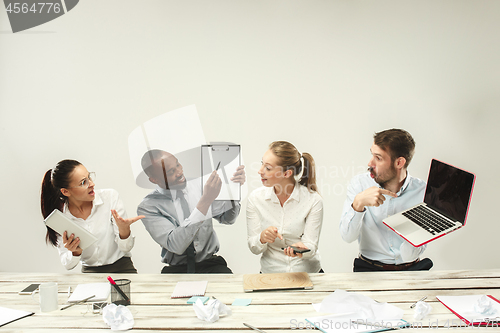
x=124, y=224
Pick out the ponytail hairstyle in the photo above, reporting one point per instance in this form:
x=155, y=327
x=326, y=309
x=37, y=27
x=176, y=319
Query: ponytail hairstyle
x=51, y=196
x=300, y=164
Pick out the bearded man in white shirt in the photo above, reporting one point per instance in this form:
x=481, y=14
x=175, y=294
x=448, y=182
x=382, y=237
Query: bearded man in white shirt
x=387, y=188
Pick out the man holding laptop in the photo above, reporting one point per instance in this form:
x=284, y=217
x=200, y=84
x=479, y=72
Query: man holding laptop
x=386, y=189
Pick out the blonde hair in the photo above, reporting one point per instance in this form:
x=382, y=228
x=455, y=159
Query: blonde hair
x=290, y=159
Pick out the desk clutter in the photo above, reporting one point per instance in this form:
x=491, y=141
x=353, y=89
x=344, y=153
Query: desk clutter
x=95, y=295
x=355, y=312
x=474, y=310
x=365, y=302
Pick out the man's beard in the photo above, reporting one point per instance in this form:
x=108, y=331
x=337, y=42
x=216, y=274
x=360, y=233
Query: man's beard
x=383, y=182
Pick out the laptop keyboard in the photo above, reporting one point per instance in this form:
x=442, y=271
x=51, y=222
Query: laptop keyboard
x=428, y=219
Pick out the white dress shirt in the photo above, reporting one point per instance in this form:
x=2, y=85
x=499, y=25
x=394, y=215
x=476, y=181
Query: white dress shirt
x=299, y=220
x=109, y=247
x=376, y=240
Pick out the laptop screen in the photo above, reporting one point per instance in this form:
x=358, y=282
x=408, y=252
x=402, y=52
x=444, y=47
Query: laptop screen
x=449, y=190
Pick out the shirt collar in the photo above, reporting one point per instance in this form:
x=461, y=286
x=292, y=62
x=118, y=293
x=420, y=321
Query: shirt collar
x=270, y=195
x=403, y=187
x=97, y=199
x=96, y=202
x=405, y=184
x=172, y=194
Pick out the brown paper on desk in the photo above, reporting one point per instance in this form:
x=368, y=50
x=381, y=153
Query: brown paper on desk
x=276, y=281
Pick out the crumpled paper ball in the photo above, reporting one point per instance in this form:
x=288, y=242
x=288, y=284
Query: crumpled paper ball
x=118, y=317
x=211, y=311
x=422, y=309
x=485, y=306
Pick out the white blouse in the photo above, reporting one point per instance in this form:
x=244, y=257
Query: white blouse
x=109, y=247
x=299, y=220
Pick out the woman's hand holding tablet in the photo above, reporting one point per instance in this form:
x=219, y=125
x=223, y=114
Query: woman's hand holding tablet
x=72, y=244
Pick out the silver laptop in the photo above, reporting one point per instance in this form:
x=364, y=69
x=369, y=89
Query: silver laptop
x=445, y=207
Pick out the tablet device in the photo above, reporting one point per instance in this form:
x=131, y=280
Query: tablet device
x=58, y=222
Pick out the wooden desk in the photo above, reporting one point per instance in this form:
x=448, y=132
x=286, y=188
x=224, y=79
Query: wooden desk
x=153, y=309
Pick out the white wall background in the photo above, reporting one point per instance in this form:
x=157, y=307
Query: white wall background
x=324, y=75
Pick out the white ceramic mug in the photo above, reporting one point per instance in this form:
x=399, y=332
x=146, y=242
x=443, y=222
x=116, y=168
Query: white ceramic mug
x=48, y=296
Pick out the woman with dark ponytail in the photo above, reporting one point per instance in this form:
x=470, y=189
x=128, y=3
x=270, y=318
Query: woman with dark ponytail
x=287, y=211
x=69, y=187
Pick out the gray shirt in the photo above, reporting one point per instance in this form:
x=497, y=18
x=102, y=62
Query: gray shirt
x=166, y=223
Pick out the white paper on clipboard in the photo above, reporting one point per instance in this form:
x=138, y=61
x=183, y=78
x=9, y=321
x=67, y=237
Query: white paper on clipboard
x=228, y=155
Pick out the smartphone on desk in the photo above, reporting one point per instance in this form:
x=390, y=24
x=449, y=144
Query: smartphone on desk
x=29, y=289
x=297, y=249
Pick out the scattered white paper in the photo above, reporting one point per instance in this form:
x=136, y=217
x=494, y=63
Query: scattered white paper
x=354, y=312
x=118, y=317
x=485, y=306
x=464, y=306
x=212, y=311
x=422, y=309
x=358, y=307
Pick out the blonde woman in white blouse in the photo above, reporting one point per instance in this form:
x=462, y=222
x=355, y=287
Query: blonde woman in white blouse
x=286, y=211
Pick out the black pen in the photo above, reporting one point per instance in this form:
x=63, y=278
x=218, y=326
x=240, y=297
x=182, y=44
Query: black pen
x=113, y=283
x=414, y=304
x=218, y=165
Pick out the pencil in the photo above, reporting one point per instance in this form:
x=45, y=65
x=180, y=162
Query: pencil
x=79, y=302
